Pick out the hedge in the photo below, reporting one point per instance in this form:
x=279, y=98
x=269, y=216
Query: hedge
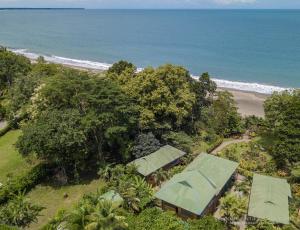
x=215, y=145
x=24, y=182
x=5, y=227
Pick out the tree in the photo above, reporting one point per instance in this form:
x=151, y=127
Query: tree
x=93, y=214
x=283, y=125
x=232, y=208
x=19, y=212
x=160, y=176
x=204, y=89
x=145, y=144
x=104, y=217
x=58, y=137
x=11, y=67
x=119, y=67
x=222, y=116
x=136, y=192
x=84, y=117
x=164, y=96
x=24, y=87
x=207, y=222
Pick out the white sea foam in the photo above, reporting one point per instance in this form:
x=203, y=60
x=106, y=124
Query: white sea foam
x=243, y=86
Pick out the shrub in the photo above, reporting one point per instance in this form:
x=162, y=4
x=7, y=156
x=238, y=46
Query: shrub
x=215, y=145
x=23, y=183
x=179, y=140
x=145, y=144
x=207, y=222
x=154, y=219
x=19, y=212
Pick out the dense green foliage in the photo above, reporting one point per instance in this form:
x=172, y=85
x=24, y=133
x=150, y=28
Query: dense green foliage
x=232, y=208
x=23, y=182
x=80, y=121
x=168, y=98
x=283, y=124
x=19, y=212
x=136, y=192
x=223, y=116
x=145, y=144
x=12, y=66
x=77, y=118
x=207, y=222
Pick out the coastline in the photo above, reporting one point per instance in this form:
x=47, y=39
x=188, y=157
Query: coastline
x=249, y=102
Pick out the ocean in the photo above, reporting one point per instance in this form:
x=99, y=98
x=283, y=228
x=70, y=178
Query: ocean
x=252, y=50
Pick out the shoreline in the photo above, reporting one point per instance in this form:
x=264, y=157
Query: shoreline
x=248, y=102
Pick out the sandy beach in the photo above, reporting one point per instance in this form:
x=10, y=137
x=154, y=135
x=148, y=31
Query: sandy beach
x=249, y=103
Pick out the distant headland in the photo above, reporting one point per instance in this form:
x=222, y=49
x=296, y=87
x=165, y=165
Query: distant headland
x=28, y=8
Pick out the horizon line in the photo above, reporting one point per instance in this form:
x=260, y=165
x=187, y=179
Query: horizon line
x=86, y=8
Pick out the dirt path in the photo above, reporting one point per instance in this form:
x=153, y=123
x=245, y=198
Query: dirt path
x=226, y=143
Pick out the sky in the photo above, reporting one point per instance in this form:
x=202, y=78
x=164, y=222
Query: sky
x=153, y=4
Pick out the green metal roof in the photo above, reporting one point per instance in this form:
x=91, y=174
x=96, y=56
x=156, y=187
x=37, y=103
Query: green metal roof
x=198, y=184
x=162, y=157
x=269, y=199
x=112, y=196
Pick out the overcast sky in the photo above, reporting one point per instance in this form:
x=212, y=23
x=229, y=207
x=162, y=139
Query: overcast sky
x=291, y=4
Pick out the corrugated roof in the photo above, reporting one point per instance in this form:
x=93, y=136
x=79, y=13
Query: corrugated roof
x=269, y=199
x=112, y=196
x=197, y=185
x=162, y=157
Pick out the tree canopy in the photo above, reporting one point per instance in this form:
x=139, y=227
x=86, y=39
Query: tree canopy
x=283, y=123
x=11, y=67
x=75, y=116
x=168, y=97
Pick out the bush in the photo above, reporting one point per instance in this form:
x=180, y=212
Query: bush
x=23, y=183
x=179, y=140
x=6, y=227
x=207, y=222
x=155, y=219
x=19, y=212
x=215, y=145
x=145, y=144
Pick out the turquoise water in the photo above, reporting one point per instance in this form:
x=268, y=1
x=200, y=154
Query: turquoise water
x=251, y=46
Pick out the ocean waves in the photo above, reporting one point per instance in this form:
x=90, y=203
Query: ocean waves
x=243, y=86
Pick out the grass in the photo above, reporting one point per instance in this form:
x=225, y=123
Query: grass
x=11, y=162
x=53, y=198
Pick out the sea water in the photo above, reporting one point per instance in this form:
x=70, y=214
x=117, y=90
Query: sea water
x=253, y=50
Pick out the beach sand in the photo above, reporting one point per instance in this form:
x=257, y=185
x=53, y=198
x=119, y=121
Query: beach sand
x=249, y=103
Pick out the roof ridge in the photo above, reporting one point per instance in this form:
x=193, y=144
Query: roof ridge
x=210, y=181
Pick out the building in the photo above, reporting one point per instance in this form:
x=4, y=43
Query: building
x=196, y=191
x=166, y=157
x=114, y=197
x=269, y=199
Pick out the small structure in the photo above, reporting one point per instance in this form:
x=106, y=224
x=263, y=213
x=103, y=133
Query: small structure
x=196, y=191
x=269, y=199
x=166, y=157
x=114, y=197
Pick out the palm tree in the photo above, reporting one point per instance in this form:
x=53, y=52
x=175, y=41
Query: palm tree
x=104, y=217
x=160, y=176
x=105, y=171
x=232, y=208
x=77, y=219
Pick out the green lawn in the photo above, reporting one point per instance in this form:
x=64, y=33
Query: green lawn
x=11, y=162
x=53, y=198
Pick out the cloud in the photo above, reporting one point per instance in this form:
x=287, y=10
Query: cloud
x=229, y=2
